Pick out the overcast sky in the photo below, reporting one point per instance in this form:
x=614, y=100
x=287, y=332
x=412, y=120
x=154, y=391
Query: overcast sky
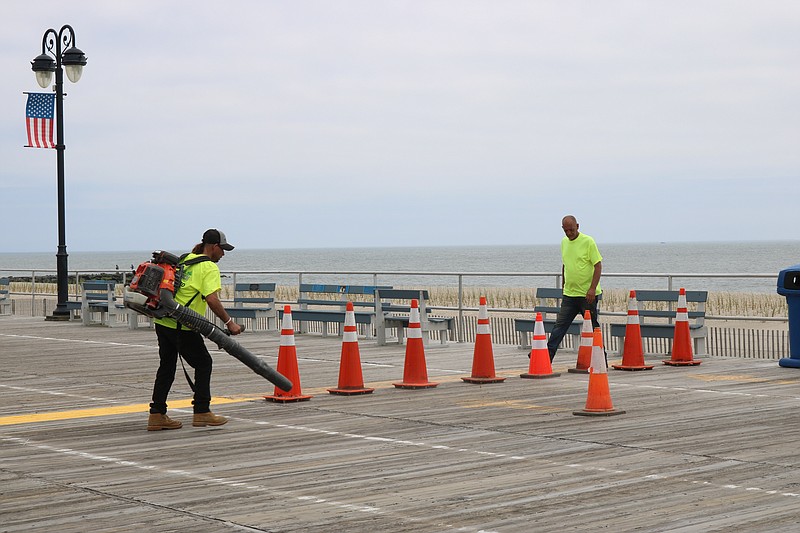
x=402, y=123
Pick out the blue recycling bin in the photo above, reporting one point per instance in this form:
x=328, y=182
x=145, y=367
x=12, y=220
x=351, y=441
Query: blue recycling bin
x=789, y=286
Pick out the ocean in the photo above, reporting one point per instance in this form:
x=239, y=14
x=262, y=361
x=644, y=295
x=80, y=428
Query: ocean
x=763, y=257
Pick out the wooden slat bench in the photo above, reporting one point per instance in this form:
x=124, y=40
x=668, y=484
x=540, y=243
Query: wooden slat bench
x=696, y=300
x=524, y=326
x=74, y=308
x=396, y=316
x=98, y=297
x=254, y=301
x=313, y=296
x=5, y=299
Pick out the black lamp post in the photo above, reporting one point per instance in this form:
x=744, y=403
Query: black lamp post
x=51, y=60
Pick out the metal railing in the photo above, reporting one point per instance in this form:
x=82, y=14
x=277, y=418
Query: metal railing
x=378, y=277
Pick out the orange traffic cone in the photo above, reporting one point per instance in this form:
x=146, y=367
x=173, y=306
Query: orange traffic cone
x=539, y=366
x=351, y=380
x=633, y=349
x=415, y=371
x=598, y=401
x=585, y=349
x=682, y=354
x=483, y=357
x=287, y=363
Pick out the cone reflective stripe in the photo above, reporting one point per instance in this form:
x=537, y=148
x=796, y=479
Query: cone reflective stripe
x=415, y=371
x=539, y=366
x=351, y=380
x=287, y=363
x=414, y=325
x=598, y=365
x=633, y=348
x=585, y=349
x=287, y=329
x=682, y=353
x=483, y=356
x=598, y=399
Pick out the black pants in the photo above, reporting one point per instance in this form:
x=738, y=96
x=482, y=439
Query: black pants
x=193, y=349
x=571, y=306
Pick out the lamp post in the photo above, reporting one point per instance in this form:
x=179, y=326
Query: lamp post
x=44, y=65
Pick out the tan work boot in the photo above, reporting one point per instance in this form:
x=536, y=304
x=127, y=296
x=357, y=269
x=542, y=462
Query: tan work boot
x=201, y=420
x=157, y=421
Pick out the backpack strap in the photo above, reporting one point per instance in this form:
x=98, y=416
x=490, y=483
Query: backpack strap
x=184, y=263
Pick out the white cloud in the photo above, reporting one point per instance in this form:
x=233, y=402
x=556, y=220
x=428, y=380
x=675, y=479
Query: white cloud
x=250, y=112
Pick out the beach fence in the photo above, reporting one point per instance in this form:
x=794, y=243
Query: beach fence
x=725, y=338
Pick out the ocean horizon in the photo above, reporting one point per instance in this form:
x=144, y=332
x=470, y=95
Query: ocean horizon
x=720, y=257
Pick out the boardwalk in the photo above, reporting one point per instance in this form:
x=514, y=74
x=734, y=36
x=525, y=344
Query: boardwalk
x=707, y=448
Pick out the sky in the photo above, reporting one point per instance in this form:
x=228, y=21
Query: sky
x=311, y=124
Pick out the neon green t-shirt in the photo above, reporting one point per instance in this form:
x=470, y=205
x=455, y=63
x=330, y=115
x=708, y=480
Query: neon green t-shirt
x=579, y=257
x=198, y=281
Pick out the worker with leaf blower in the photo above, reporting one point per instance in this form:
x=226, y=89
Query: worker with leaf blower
x=200, y=285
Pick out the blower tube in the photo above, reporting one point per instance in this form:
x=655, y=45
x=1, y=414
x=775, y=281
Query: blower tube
x=200, y=324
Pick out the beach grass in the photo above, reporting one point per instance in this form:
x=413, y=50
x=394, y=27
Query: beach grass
x=614, y=300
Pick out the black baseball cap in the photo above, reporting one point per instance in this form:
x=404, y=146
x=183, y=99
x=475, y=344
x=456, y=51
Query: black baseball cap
x=215, y=236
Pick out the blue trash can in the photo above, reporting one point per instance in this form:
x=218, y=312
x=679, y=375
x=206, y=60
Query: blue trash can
x=789, y=286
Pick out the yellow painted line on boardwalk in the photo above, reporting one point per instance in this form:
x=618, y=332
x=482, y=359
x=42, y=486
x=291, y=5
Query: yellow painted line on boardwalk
x=52, y=416
x=743, y=378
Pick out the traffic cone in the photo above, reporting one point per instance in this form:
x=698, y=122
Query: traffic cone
x=585, y=349
x=415, y=372
x=351, y=380
x=287, y=363
x=540, y=366
x=483, y=357
x=598, y=400
x=682, y=354
x=633, y=349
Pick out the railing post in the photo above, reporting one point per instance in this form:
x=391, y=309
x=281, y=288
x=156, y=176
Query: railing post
x=33, y=291
x=299, y=282
x=460, y=308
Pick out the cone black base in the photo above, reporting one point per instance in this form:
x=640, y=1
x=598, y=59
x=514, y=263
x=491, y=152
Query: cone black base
x=415, y=385
x=483, y=380
x=578, y=370
x=287, y=399
x=540, y=376
x=350, y=391
x=622, y=367
x=598, y=413
x=693, y=362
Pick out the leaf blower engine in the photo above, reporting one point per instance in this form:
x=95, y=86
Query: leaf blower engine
x=152, y=293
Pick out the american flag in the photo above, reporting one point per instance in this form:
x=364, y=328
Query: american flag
x=39, y=120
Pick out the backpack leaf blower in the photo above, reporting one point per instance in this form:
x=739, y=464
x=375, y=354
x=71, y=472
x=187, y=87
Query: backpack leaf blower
x=152, y=292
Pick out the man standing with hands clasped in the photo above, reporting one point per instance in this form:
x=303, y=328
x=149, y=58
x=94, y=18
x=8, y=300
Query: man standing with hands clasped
x=580, y=280
x=200, y=286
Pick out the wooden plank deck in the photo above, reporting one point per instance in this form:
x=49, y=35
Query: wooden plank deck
x=707, y=448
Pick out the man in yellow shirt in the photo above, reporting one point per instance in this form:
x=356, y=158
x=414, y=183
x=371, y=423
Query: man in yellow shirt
x=200, y=286
x=580, y=280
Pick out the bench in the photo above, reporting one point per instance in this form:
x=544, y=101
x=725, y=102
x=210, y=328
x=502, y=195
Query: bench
x=524, y=326
x=5, y=299
x=251, y=302
x=74, y=308
x=329, y=295
x=396, y=316
x=665, y=330
x=98, y=297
